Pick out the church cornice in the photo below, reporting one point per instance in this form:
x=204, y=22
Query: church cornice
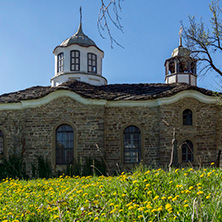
x=24, y=104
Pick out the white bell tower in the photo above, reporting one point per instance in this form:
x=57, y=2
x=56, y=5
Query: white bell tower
x=79, y=58
x=181, y=67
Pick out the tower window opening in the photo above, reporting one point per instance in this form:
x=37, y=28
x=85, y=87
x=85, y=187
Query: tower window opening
x=74, y=60
x=187, y=151
x=172, y=67
x=187, y=117
x=92, y=63
x=60, y=62
x=193, y=67
x=183, y=67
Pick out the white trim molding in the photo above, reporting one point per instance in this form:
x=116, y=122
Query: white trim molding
x=147, y=103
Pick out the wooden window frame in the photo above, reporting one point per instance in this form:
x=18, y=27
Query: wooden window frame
x=66, y=150
x=134, y=153
x=60, y=62
x=187, y=149
x=75, y=60
x=187, y=118
x=92, y=63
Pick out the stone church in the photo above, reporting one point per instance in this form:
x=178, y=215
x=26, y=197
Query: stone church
x=81, y=116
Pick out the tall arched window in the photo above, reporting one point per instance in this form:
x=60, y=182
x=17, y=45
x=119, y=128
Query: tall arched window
x=187, y=117
x=187, y=151
x=132, y=145
x=1, y=143
x=64, y=145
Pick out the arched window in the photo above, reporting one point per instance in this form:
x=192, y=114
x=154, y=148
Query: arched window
x=1, y=143
x=92, y=63
x=74, y=60
x=187, y=117
x=60, y=62
x=64, y=144
x=187, y=151
x=132, y=145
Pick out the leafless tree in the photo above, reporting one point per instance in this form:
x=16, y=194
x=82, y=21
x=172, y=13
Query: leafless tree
x=205, y=42
x=109, y=14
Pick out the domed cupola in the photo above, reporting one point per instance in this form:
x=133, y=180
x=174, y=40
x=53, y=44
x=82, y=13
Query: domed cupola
x=181, y=67
x=79, y=38
x=78, y=58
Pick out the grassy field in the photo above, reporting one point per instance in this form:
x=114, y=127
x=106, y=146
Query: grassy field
x=145, y=195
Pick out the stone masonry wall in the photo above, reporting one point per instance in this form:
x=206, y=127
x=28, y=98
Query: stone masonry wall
x=32, y=131
x=117, y=119
x=35, y=129
x=203, y=133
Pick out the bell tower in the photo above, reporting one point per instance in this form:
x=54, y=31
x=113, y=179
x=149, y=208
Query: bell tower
x=78, y=58
x=181, y=67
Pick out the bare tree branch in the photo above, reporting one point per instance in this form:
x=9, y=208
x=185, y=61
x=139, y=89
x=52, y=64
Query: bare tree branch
x=109, y=15
x=205, y=43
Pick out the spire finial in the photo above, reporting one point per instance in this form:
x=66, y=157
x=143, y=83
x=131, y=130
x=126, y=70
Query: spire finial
x=180, y=34
x=80, y=10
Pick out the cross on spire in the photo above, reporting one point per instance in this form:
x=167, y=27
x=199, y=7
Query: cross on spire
x=180, y=34
x=80, y=10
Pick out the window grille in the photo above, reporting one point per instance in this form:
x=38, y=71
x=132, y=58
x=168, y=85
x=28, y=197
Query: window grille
x=64, y=145
x=132, y=145
x=74, y=60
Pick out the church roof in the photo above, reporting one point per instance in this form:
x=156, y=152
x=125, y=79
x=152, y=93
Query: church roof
x=113, y=92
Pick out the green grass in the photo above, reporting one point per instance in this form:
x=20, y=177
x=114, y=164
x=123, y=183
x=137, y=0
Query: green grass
x=155, y=195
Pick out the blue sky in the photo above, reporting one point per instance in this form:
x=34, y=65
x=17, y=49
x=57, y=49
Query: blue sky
x=30, y=30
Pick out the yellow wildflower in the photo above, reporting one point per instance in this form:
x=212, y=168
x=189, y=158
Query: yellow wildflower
x=199, y=192
x=207, y=197
x=156, y=197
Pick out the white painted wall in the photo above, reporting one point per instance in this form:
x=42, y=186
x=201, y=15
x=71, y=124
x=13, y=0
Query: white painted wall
x=171, y=79
x=181, y=78
x=82, y=75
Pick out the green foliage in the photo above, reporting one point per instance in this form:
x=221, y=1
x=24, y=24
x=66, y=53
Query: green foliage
x=13, y=168
x=145, y=195
x=44, y=168
x=90, y=167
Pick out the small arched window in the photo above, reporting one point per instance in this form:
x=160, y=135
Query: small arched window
x=1, y=143
x=60, y=62
x=187, y=151
x=132, y=145
x=92, y=63
x=74, y=60
x=64, y=145
x=187, y=117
